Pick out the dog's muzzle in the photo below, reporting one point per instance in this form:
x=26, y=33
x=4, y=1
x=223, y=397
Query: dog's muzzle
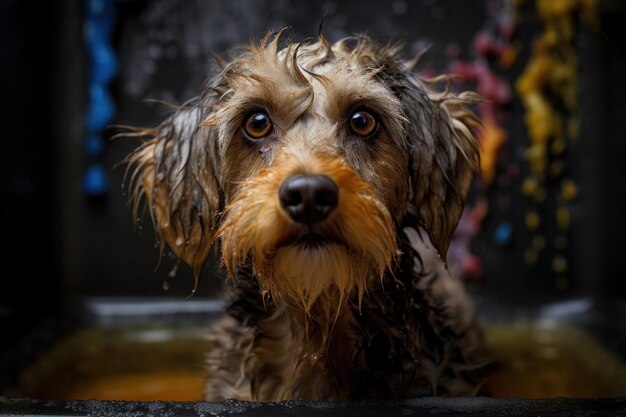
x=308, y=199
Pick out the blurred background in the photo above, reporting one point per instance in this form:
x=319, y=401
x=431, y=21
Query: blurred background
x=544, y=222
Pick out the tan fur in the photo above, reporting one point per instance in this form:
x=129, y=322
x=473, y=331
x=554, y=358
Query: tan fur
x=361, y=230
x=321, y=322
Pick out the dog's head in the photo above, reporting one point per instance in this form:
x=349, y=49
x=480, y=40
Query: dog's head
x=303, y=159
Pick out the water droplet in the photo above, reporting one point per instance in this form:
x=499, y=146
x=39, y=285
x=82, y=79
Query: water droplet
x=173, y=271
x=166, y=286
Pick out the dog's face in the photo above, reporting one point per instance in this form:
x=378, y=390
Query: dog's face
x=303, y=161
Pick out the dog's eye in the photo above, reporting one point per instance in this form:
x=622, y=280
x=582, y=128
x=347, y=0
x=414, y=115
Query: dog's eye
x=257, y=126
x=364, y=124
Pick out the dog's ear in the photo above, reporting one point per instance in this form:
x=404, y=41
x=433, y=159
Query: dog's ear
x=175, y=171
x=443, y=151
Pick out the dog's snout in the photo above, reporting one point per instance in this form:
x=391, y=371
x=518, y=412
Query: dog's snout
x=308, y=199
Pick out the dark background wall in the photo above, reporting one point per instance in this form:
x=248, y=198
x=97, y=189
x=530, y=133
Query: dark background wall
x=61, y=243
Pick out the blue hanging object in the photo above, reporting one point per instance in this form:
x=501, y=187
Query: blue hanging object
x=101, y=109
x=94, y=145
x=103, y=66
x=503, y=234
x=95, y=180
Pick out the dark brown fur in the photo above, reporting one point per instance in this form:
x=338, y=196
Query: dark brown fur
x=373, y=313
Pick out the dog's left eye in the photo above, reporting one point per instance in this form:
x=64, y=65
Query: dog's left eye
x=364, y=124
x=257, y=126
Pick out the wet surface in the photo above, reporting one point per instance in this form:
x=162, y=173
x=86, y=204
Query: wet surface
x=538, y=360
x=417, y=407
x=165, y=363
x=141, y=363
x=131, y=359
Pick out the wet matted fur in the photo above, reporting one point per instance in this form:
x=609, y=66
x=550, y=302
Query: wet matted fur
x=357, y=304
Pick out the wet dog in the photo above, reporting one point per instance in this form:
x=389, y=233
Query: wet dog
x=330, y=177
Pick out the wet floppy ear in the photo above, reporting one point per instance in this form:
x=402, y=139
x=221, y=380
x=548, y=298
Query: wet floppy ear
x=174, y=170
x=444, y=154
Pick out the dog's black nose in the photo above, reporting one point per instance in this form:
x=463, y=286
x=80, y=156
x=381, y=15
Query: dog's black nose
x=308, y=198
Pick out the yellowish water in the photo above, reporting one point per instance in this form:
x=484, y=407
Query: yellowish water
x=142, y=364
x=530, y=361
x=540, y=361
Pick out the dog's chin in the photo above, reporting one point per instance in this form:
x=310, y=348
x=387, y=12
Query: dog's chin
x=313, y=268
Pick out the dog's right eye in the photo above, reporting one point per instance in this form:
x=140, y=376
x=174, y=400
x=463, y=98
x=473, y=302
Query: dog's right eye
x=364, y=124
x=258, y=125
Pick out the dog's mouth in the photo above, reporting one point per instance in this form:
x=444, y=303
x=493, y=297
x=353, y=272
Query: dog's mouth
x=311, y=240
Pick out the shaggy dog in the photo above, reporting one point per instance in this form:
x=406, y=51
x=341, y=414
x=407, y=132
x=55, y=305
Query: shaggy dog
x=330, y=178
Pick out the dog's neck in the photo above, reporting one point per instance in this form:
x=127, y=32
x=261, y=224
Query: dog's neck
x=403, y=326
